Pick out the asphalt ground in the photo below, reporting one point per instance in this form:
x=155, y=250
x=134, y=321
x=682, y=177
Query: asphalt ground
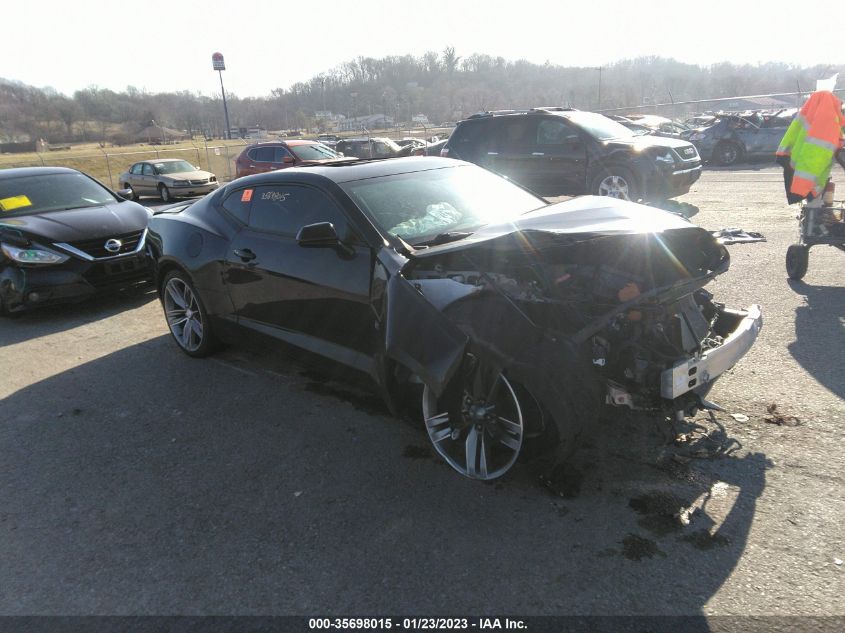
x=136, y=480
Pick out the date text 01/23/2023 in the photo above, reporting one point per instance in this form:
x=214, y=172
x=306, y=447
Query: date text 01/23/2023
x=415, y=624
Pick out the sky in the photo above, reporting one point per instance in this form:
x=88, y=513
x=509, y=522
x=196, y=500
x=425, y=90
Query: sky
x=164, y=46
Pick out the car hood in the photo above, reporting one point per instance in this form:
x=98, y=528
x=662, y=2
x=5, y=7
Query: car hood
x=585, y=215
x=81, y=224
x=648, y=141
x=189, y=175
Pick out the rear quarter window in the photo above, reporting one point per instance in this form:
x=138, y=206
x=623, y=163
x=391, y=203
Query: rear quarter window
x=471, y=139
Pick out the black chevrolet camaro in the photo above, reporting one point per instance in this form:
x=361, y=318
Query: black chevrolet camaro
x=64, y=237
x=512, y=317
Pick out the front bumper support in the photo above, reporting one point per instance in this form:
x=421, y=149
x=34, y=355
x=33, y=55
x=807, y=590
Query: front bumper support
x=688, y=374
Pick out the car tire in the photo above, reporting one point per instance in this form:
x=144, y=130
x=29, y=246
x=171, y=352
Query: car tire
x=164, y=193
x=797, y=261
x=727, y=153
x=478, y=425
x=135, y=196
x=616, y=181
x=186, y=316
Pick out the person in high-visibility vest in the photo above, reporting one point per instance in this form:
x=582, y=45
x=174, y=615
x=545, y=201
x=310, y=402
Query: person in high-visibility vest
x=809, y=146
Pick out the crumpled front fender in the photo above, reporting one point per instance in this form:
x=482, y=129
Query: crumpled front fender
x=420, y=337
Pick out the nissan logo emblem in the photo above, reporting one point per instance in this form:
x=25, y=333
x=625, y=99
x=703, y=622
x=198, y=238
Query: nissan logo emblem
x=113, y=245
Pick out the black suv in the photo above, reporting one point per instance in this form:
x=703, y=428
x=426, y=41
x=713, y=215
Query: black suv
x=564, y=151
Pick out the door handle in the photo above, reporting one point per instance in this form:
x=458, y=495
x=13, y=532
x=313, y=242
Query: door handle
x=245, y=254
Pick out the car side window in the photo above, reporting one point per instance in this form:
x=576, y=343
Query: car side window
x=262, y=154
x=237, y=203
x=551, y=132
x=135, y=169
x=285, y=209
x=279, y=154
x=148, y=170
x=556, y=137
x=515, y=134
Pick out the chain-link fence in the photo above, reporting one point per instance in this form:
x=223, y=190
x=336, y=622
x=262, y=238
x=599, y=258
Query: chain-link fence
x=107, y=165
x=218, y=157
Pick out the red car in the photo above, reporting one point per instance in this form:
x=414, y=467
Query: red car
x=261, y=157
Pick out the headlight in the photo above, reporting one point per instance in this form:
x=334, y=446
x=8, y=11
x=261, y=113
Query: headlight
x=181, y=183
x=666, y=158
x=32, y=255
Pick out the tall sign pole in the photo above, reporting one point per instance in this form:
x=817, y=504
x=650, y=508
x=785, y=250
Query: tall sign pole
x=219, y=65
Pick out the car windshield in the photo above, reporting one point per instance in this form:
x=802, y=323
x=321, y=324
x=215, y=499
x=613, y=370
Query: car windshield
x=315, y=151
x=173, y=167
x=419, y=206
x=599, y=126
x=50, y=192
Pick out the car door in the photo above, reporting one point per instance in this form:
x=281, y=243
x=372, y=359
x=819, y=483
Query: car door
x=511, y=151
x=315, y=297
x=559, y=158
x=149, y=180
x=133, y=177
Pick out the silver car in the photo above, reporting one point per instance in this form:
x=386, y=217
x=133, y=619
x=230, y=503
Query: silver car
x=167, y=178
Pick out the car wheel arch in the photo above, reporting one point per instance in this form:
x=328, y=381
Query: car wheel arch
x=165, y=268
x=608, y=167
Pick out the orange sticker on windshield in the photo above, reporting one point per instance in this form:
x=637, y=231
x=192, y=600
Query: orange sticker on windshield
x=246, y=196
x=15, y=202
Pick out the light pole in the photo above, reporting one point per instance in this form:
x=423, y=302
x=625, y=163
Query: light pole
x=219, y=65
x=598, y=107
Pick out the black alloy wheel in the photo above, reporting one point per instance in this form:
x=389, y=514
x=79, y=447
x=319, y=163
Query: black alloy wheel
x=186, y=316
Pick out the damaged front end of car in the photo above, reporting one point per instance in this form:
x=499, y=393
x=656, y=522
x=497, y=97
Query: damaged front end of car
x=589, y=301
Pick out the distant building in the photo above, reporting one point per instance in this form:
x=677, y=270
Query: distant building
x=159, y=134
x=757, y=103
x=369, y=122
x=420, y=118
x=254, y=132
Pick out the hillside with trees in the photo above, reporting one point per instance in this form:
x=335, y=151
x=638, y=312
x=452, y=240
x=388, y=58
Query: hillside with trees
x=444, y=86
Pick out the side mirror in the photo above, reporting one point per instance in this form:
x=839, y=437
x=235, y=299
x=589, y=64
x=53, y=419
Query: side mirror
x=126, y=194
x=288, y=160
x=319, y=234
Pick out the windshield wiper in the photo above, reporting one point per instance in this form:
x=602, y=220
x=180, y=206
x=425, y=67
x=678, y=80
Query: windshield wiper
x=445, y=238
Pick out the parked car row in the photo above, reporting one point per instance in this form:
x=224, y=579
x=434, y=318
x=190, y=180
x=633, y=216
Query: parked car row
x=508, y=319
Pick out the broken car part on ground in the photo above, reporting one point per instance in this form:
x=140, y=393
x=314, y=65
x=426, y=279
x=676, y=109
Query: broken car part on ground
x=516, y=318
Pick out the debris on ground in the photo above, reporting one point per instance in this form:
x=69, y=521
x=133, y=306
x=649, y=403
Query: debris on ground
x=662, y=512
x=776, y=417
x=837, y=561
x=740, y=417
x=734, y=235
x=297, y=493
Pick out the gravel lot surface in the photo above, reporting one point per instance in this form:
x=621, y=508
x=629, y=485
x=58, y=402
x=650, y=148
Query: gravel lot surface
x=135, y=480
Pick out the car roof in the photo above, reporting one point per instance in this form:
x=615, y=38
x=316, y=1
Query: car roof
x=290, y=143
x=364, y=139
x=357, y=170
x=21, y=172
x=160, y=160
